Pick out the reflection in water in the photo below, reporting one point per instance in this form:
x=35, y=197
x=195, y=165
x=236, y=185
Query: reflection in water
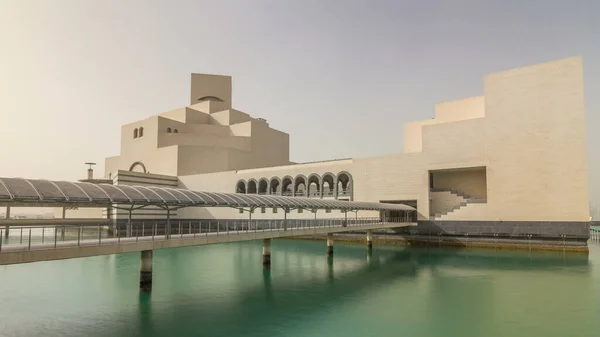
x=222, y=290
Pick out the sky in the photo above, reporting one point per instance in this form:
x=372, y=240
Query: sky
x=72, y=71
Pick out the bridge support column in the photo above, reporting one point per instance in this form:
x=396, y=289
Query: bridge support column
x=329, y=244
x=6, y=229
x=62, y=229
x=146, y=271
x=266, y=253
x=369, y=239
x=128, y=230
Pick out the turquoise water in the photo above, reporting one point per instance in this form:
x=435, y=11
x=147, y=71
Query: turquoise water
x=222, y=290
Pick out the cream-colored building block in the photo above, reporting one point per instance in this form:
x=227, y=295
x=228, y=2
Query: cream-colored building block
x=517, y=153
x=207, y=136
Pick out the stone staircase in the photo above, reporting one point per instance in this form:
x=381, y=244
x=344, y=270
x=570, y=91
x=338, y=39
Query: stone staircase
x=445, y=201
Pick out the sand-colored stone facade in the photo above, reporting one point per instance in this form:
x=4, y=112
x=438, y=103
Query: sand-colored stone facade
x=517, y=153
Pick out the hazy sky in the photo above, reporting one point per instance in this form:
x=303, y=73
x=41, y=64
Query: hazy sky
x=73, y=71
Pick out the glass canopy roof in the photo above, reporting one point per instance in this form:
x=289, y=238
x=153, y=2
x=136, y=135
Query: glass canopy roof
x=45, y=192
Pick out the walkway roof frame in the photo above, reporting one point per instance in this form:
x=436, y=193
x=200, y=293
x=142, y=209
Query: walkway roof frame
x=19, y=192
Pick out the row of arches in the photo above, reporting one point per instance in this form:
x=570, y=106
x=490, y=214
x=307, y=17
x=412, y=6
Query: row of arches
x=138, y=133
x=169, y=130
x=328, y=185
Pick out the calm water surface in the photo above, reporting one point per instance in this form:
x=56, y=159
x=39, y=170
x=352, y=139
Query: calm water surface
x=222, y=290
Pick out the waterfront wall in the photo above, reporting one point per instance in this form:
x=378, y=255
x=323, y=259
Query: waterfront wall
x=538, y=235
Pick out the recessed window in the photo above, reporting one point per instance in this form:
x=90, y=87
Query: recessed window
x=328, y=211
x=169, y=130
x=175, y=131
x=241, y=211
x=274, y=209
x=263, y=209
x=210, y=98
x=300, y=210
x=135, y=133
x=141, y=133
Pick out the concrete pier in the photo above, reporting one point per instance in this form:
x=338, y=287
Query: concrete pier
x=146, y=271
x=266, y=253
x=369, y=239
x=6, y=229
x=329, y=244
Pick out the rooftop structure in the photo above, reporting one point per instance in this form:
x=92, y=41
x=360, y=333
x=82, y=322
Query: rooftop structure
x=206, y=136
x=513, y=158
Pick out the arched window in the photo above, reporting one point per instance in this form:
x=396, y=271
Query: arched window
x=175, y=131
x=314, y=186
x=169, y=130
x=328, y=184
x=344, y=185
x=210, y=98
x=240, y=187
x=135, y=133
x=141, y=133
x=138, y=166
x=300, y=186
x=274, y=186
x=286, y=186
x=262, y=186
x=252, y=186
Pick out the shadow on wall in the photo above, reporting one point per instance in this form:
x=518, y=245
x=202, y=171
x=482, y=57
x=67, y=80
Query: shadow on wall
x=463, y=233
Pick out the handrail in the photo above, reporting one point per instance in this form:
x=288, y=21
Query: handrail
x=98, y=232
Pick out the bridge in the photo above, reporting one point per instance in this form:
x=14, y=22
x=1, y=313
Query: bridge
x=44, y=240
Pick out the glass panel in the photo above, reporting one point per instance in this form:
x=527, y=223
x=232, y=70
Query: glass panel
x=95, y=192
x=182, y=198
x=227, y=198
x=47, y=190
x=4, y=194
x=212, y=199
x=114, y=193
x=134, y=195
x=170, y=199
x=72, y=191
x=20, y=188
x=150, y=195
x=197, y=199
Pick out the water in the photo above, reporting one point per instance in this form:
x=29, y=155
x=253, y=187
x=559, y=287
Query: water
x=222, y=290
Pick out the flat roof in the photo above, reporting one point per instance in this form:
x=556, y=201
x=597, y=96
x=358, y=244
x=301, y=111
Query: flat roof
x=38, y=192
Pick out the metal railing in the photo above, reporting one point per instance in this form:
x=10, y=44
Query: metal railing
x=595, y=233
x=315, y=194
x=36, y=237
x=345, y=193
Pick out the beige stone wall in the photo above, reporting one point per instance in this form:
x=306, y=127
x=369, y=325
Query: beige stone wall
x=444, y=202
x=374, y=179
x=471, y=182
x=527, y=131
x=536, y=143
x=211, y=85
x=460, y=110
x=163, y=161
x=413, y=135
x=446, y=112
x=207, y=136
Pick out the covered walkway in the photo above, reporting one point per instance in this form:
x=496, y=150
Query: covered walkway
x=20, y=192
x=44, y=240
